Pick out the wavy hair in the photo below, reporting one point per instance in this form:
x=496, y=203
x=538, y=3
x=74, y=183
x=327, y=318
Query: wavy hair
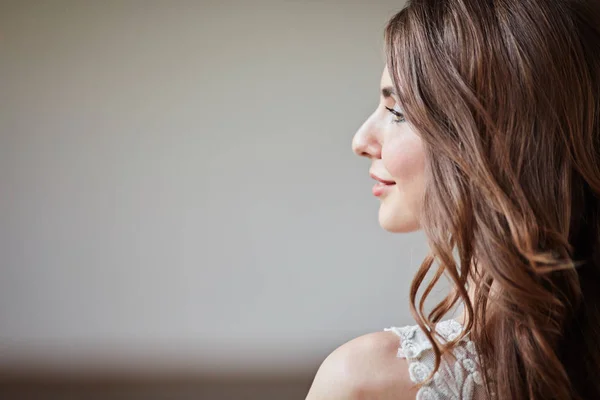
x=505, y=95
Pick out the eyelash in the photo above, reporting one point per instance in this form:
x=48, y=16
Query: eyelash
x=400, y=117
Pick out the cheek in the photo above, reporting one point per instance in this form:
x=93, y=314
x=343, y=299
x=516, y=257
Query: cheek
x=404, y=157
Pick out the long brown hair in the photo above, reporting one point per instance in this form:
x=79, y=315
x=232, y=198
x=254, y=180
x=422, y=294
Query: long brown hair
x=505, y=95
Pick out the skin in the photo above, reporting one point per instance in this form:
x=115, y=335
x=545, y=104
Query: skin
x=397, y=154
x=367, y=367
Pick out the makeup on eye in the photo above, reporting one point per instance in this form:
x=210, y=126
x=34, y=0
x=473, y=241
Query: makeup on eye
x=398, y=114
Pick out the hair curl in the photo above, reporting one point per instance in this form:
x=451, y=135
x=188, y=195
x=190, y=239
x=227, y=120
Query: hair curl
x=505, y=95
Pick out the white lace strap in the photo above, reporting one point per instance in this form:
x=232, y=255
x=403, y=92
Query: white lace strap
x=413, y=341
x=456, y=380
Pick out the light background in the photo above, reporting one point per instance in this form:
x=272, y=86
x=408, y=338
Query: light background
x=178, y=186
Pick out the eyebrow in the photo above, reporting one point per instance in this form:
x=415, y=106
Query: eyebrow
x=388, y=92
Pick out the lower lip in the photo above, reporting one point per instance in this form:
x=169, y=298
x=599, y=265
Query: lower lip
x=381, y=188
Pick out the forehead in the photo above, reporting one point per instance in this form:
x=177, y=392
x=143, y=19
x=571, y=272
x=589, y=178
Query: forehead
x=386, y=79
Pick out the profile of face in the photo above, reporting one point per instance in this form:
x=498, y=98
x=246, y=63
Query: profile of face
x=397, y=161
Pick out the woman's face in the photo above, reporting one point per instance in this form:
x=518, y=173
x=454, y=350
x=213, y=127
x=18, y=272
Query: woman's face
x=397, y=161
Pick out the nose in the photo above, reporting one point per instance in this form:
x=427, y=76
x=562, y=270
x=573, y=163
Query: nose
x=366, y=141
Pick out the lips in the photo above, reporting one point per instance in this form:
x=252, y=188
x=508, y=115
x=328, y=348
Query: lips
x=382, y=186
x=385, y=182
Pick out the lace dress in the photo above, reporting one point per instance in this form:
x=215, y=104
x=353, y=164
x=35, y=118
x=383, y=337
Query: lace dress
x=454, y=380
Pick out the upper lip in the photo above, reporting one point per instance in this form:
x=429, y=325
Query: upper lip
x=381, y=180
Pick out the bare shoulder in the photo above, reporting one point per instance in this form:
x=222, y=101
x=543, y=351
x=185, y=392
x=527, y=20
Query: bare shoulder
x=365, y=368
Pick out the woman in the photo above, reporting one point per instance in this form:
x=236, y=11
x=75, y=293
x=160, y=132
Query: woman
x=487, y=137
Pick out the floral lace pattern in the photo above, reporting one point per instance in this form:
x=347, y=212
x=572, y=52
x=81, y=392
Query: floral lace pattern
x=460, y=381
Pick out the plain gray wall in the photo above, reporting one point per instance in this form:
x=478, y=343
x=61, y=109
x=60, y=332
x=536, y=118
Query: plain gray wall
x=177, y=183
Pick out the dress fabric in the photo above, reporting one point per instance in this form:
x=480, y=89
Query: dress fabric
x=459, y=379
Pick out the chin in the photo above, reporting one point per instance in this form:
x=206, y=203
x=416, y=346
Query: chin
x=397, y=223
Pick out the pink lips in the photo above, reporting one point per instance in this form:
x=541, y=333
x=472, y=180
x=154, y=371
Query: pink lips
x=381, y=186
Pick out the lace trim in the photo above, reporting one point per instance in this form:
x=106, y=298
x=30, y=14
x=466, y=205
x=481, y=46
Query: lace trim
x=411, y=345
x=461, y=381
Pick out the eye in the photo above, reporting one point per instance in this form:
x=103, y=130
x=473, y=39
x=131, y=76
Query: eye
x=399, y=116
